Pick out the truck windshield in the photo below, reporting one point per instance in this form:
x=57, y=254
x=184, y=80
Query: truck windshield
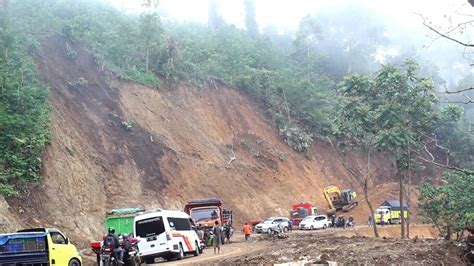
x=267, y=221
x=205, y=214
x=150, y=227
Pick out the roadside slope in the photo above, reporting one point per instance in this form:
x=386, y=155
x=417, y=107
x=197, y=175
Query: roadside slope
x=120, y=144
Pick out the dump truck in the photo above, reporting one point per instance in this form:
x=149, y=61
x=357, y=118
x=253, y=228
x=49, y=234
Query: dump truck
x=206, y=212
x=338, y=200
x=391, y=211
x=300, y=211
x=121, y=220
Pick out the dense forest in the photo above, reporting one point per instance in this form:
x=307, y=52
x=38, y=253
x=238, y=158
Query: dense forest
x=320, y=81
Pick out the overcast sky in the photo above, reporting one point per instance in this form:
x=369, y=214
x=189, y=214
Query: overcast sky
x=287, y=14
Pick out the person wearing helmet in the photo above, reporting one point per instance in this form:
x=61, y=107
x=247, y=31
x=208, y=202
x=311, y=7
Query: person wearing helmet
x=126, y=243
x=112, y=241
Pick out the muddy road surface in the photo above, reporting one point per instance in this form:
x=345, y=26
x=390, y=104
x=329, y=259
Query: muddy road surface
x=341, y=246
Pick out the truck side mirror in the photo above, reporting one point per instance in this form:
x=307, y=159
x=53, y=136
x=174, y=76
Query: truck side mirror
x=66, y=241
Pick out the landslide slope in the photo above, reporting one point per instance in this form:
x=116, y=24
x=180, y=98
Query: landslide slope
x=120, y=144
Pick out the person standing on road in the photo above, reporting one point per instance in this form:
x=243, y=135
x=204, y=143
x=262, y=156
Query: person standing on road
x=217, y=231
x=247, y=230
x=228, y=231
x=382, y=221
x=369, y=222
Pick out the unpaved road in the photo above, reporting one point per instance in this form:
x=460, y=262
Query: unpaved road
x=353, y=247
x=227, y=251
x=346, y=246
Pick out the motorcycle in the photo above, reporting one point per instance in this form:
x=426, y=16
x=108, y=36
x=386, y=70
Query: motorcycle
x=277, y=231
x=350, y=223
x=132, y=256
x=107, y=258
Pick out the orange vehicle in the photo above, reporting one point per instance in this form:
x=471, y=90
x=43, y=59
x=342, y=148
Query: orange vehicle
x=207, y=211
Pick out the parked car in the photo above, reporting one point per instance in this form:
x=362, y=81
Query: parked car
x=315, y=222
x=272, y=222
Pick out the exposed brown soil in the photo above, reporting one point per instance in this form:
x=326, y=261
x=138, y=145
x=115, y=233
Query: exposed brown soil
x=178, y=148
x=305, y=248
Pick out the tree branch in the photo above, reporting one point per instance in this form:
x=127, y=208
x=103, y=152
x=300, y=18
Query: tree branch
x=465, y=171
x=458, y=91
x=443, y=34
x=432, y=161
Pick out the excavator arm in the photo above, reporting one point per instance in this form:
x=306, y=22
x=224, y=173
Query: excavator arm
x=328, y=192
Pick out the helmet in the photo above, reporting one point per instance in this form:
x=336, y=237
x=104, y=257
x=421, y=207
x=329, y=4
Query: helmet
x=125, y=235
x=112, y=230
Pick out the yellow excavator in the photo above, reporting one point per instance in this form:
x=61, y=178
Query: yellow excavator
x=338, y=200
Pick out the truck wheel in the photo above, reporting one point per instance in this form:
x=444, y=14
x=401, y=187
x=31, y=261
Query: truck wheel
x=311, y=228
x=197, y=251
x=150, y=261
x=74, y=262
x=325, y=226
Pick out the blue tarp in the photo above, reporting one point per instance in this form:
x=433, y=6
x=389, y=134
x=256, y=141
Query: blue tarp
x=4, y=238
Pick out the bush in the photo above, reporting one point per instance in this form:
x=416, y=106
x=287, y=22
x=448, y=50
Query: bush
x=296, y=138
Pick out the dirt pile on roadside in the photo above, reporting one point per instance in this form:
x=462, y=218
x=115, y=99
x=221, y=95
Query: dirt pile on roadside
x=120, y=144
x=301, y=249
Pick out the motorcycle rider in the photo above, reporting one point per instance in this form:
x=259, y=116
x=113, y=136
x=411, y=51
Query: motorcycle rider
x=112, y=241
x=350, y=221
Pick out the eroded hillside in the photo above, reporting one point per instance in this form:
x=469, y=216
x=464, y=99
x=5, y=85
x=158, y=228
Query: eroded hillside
x=119, y=144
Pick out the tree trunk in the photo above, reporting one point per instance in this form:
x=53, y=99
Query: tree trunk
x=408, y=198
x=287, y=107
x=146, y=60
x=366, y=195
x=402, y=229
x=307, y=63
x=448, y=232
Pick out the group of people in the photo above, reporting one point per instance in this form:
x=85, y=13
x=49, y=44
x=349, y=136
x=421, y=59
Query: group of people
x=370, y=221
x=118, y=247
x=340, y=221
x=216, y=234
x=219, y=233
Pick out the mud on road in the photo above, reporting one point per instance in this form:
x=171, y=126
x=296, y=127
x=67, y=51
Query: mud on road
x=316, y=246
x=343, y=246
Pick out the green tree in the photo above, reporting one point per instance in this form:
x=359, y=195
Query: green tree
x=150, y=31
x=398, y=112
x=309, y=32
x=214, y=20
x=250, y=18
x=357, y=121
x=450, y=206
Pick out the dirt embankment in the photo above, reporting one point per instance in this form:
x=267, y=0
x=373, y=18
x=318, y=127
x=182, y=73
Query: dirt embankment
x=119, y=144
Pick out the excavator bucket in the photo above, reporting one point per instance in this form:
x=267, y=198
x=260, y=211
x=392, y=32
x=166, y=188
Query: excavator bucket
x=331, y=212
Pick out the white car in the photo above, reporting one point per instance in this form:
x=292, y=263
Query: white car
x=272, y=222
x=314, y=222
